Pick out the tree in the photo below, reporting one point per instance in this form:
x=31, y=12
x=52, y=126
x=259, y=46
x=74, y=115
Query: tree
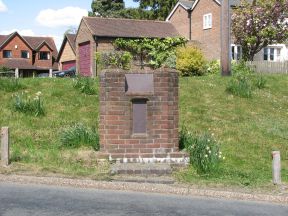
x=160, y=8
x=259, y=24
x=106, y=8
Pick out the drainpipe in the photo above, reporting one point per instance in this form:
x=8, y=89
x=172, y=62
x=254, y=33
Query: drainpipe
x=96, y=42
x=190, y=23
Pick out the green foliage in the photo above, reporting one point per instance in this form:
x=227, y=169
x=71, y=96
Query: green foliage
x=190, y=61
x=159, y=9
x=213, y=67
x=80, y=135
x=10, y=84
x=170, y=62
x=153, y=52
x=106, y=8
x=259, y=24
x=116, y=59
x=85, y=85
x=244, y=81
x=23, y=103
x=203, y=150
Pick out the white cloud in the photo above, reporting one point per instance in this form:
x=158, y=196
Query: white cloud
x=23, y=32
x=3, y=7
x=68, y=16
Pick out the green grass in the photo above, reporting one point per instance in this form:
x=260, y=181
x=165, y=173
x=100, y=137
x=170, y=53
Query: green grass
x=35, y=142
x=248, y=129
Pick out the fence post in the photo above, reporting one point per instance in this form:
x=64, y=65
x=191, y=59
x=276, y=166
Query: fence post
x=17, y=73
x=4, y=146
x=276, y=167
x=50, y=73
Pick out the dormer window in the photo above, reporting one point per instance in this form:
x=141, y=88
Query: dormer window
x=207, y=21
x=7, y=54
x=25, y=54
x=44, y=55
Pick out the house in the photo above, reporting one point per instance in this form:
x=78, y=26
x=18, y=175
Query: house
x=199, y=22
x=28, y=55
x=67, y=53
x=97, y=34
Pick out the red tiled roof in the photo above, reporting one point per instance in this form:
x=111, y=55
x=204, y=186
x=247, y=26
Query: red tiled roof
x=24, y=64
x=130, y=28
x=71, y=38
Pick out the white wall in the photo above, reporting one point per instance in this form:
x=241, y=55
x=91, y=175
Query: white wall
x=283, y=53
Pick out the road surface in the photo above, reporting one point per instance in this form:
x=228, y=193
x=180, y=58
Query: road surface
x=30, y=200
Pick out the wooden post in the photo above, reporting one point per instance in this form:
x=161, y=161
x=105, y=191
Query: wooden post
x=50, y=73
x=276, y=167
x=4, y=146
x=17, y=73
x=225, y=38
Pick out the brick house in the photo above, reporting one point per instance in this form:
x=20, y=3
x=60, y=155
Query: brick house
x=27, y=55
x=199, y=22
x=98, y=34
x=67, y=53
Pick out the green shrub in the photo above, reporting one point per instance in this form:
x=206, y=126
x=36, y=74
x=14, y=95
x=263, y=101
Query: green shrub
x=203, y=149
x=80, y=135
x=244, y=81
x=190, y=61
x=170, y=62
x=115, y=59
x=23, y=103
x=10, y=84
x=86, y=85
x=213, y=67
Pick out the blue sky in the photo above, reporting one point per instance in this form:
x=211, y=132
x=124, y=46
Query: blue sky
x=44, y=18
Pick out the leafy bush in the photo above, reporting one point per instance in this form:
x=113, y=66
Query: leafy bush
x=190, y=61
x=116, y=59
x=85, y=85
x=10, y=84
x=23, y=103
x=170, y=62
x=80, y=135
x=213, y=67
x=153, y=52
x=203, y=149
x=244, y=81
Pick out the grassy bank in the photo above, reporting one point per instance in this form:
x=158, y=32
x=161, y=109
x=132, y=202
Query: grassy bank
x=248, y=129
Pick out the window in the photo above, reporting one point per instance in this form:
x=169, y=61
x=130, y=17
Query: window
x=44, y=55
x=236, y=52
x=207, y=21
x=139, y=107
x=7, y=54
x=24, y=54
x=272, y=54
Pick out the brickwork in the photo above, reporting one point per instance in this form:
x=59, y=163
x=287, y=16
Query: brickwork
x=160, y=142
x=16, y=52
x=209, y=38
x=180, y=20
x=43, y=63
x=84, y=35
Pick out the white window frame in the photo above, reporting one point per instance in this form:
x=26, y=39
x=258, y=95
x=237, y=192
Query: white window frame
x=207, y=21
x=275, y=54
x=237, y=55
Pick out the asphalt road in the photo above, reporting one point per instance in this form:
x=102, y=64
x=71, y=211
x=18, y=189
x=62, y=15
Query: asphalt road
x=22, y=200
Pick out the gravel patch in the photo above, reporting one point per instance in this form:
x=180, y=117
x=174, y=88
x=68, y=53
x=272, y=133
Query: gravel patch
x=144, y=187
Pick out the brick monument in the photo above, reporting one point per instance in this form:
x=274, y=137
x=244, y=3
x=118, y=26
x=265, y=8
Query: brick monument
x=139, y=116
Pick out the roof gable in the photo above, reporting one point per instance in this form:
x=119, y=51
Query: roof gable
x=129, y=28
x=7, y=38
x=70, y=38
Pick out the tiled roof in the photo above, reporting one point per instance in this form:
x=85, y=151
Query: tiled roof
x=130, y=28
x=24, y=64
x=71, y=38
x=33, y=42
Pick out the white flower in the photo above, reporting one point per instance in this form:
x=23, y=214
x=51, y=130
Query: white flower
x=39, y=93
x=209, y=152
x=220, y=156
x=208, y=140
x=223, y=158
x=36, y=98
x=220, y=153
x=206, y=155
x=207, y=148
x=212, y=134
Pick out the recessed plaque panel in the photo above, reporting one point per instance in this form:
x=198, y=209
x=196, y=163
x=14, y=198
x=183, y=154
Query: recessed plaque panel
x=139, y=83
